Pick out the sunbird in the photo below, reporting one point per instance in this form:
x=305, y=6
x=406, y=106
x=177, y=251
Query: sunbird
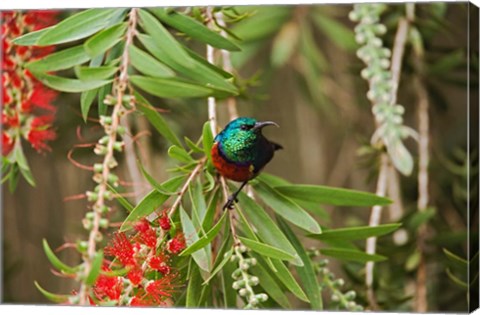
x=240, y=151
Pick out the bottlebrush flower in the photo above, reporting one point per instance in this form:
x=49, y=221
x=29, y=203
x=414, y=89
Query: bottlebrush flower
x=122, y=249
x=164, y=220
x=107, y=286
x=25, y=98
x=160, y=289
x=176, y=244
x=147, y=234
x=135, y=275
x=159, y=263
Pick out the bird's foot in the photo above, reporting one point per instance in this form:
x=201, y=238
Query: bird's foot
x=230, y=202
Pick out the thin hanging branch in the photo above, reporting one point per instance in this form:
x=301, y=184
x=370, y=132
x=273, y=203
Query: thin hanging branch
x=108, y=163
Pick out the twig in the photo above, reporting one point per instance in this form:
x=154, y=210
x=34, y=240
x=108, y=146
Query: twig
x=382, y=182
x=100, y=203
x=375, y=216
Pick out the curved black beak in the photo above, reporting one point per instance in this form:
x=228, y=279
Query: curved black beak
x=261, y=124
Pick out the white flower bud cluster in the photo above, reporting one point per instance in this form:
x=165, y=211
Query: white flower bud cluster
x=244, y=282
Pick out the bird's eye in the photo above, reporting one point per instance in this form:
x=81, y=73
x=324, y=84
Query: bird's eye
x=244, y=127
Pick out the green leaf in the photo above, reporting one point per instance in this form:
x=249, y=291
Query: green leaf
x=306, y=272
x=266, y=250
x=211, y=209
x=421, y=217
x=86, y=100
x=200, y=256
x=170, y=88
x=102, y=93
x=286, y=277
x=353, y=255
x=57, y=263
x=160, y=188
x=104, y=40
x=265, y=227
x=149, y=203
x=124, y=202
x=456, y=280
x=56, y=298
x=204, y=62
x=96, y=267
x=207, y=140
x=339, y=34
x=192, y=145
x=332, y=196
x=448, y=63
x=356, y=233
x=271, y=287
x=148, y=65
x=78, y=26
x=60, y=60
x=194, y=288
x=223, y=262
x=69, y=85
x=194, y=29
x=95, y=73
x=169, y=44
x=199, y=206
x=455, y=261
x=31, y=38
x=157, y=120
x=206, y=239
x=198, y=72
x=179, y=153
x=272, y=180
x=287, y=208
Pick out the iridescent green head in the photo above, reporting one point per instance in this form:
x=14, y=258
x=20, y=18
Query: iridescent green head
x=240, y=139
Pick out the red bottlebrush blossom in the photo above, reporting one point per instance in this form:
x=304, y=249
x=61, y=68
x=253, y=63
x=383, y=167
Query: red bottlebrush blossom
x=176, y=244
x=122, y=249
x=160, y=289
x=148, y=236
x=135, y=276
x=22, y=93
x=159, y=263
x=107, y=286
x=138, y=301
x=40, y=133
x=7, y=144
x=164, y=221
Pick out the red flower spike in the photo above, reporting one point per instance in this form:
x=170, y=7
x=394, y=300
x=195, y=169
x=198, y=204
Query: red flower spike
x=136, y=301
x=7, y=144
x=160, y=289
x=122, y=249
x=135, y=276
x=176, y=244
x=159, y=263
x=107, y=286
x=148, y=236
x=164, y=221
x=42, y=98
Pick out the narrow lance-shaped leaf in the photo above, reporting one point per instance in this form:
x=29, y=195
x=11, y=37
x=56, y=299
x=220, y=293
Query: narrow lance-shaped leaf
x=86, y=101
x=207, y=140
x=352, y=255
x=57, y=263
x=194, y=29
x=206, y=239
x=78, y=26
x=194, y=288
x=149, y=203
x=287, y=208
x=56, y=298
x=332, y=196
x=169, y=44
x=158, y=122
x=356, y=233
x=271, y=287
x=148, y=65
x=104, y=40
x=306, y=272
x=96, y=267
x=95, y=73
x=266, y=250
x=69, y=85
x=266, y=228
x=170, y=88
x=200, y=256
x=60, y=60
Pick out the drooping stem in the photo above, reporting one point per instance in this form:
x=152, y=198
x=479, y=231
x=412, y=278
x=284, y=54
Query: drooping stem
x=108, y=163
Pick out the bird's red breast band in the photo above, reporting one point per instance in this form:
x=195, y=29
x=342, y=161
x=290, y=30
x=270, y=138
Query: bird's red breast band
x=230, y=170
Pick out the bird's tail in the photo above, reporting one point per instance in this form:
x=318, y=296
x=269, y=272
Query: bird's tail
x=276, y=146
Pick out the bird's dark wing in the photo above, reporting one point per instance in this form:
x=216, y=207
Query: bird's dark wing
x=276, y=146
